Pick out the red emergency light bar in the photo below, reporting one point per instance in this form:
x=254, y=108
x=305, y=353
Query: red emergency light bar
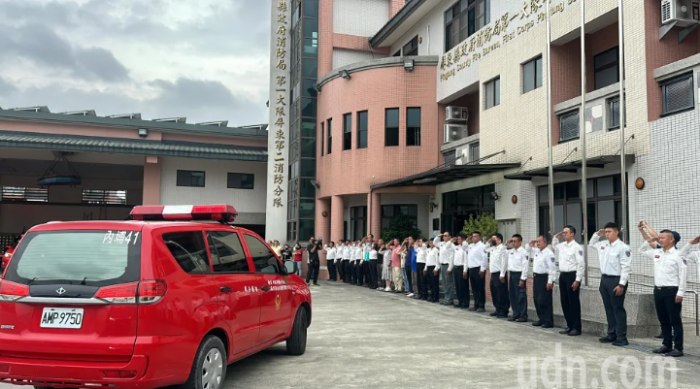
x=219, y=213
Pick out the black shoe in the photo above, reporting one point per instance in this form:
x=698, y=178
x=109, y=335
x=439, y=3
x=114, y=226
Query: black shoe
x=512, y=318
x=606, y=339
x=621, y=343
x=574, y=333
x=565, y=332
x=537, y=324
x=675, y=353
x=472, y=309
x=662, y=350
x=481, y=310
x=493, y=314
x=547, y=326
x=522, y=320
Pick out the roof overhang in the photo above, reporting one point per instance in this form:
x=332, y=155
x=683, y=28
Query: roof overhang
x=402, y=22
x=568, y=167
x=132, y=146
x=445, y=174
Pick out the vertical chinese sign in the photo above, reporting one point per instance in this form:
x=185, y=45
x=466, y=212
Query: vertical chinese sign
x=276, y=216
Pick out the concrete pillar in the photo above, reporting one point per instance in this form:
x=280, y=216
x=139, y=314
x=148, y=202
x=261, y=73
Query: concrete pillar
x=151, y=181
x=375, y=214
x=337, y=218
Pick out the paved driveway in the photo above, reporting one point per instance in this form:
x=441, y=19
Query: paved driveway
x=367, y=339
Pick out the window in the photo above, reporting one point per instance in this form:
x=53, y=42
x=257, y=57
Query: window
x=330, y=136
x=678, y=94
x=21, y=193
x=323, y=138
x=605, y=68
x=532, y=75
x=397, y=54
x=264, y=260
x=568, y=126
x=240, y=181
x=458, y=206
x=227, y=254
x=464, y=19
x=93, y=258
x=449, y=156
x=492, y=92
x=614, y=113
x=391, y=127
x=188, y=250
x=413, y=121
x=358, y=222
x=474, y=152
x=411, y=48
x=104, y=197
x=190, y=178
x=604, y=204
x=390, y=211
x=362, y=128
x=347, y=131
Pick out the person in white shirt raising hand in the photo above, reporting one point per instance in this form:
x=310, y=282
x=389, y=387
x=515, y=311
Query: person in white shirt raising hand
x=498, y=266
x=670, y=269
x=615, y=267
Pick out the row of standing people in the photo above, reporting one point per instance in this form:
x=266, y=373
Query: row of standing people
x=415, y=267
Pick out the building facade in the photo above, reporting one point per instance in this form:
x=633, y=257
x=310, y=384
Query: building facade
x=441, y=112
x=103, y=166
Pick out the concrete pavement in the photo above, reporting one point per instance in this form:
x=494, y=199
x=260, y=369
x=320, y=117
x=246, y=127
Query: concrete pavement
x=361, y=338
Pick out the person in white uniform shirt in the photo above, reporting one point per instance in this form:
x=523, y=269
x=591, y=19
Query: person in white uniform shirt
x=357, y=259
x=670, y=269
x=347, y=262
x=571, y=268
x=461, y=284
x=615, y=267
x=422, y=279
x=432, y=262
x=544, y=274
x=498, y=266
x=331, y=252
x=447, y=255
x=518, y=267
x=477, y=262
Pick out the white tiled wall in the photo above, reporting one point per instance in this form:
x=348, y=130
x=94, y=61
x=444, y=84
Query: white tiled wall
x=359, y=17
x=215, y=190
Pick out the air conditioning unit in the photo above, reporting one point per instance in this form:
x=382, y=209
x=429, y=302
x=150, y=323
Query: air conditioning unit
x=683, y=12
x=454, y=132
x=457, y=114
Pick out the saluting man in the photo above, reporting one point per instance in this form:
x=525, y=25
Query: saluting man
x=615, y=267
x=518, y=267
x=571, y=268
x=670, y=269
x=544, y=274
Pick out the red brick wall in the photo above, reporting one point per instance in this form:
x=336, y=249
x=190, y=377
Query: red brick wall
x=395, y=6
x=353, y=171
x=664, y=52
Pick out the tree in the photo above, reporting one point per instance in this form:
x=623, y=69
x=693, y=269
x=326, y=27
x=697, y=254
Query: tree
x=401, y=227
x=485, y=223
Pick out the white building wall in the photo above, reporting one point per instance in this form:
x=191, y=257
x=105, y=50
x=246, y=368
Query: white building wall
x=359, y=17
x=249, y=203
x=342, y=57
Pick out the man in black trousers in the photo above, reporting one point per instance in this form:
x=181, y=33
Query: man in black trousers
x=615, y=266
x=571, y=268
x=544, y=273
x=477, y=262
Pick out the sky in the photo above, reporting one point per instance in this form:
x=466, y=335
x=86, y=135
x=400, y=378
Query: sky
x=206, y=60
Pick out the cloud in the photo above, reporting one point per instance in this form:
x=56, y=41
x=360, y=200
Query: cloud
x=206, y=60
x=43, y=46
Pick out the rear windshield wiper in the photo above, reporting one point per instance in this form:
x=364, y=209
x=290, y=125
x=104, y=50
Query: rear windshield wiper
x=30, y=281
x=83, y=281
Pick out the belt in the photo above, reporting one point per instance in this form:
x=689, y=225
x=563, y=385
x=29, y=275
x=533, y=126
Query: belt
x=540, y=274
x=665, y=287
x=568, y=272
x=609, y=276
